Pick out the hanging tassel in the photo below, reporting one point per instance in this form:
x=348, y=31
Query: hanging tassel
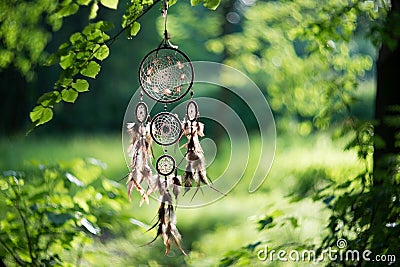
x=196, y=163
x=176, y=185
x=171, y=234
x=132, y=183
x=140, y=151
x=166, y=223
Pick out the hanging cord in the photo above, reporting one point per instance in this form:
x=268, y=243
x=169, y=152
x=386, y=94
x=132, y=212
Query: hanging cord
x=164, y=13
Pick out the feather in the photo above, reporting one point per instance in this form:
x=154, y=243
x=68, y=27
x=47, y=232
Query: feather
x=166, y=225
x=140, y=151
x=153, y=184
x=159, y=223
x=176, y=238
x=188, y=178
x=196, y=163
x=200, y=169
x=132, y=183
x=200, y=129
x=170, y=233
x=167, y=198
x=176, y=186
x=160, y=217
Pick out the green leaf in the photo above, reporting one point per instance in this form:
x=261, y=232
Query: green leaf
x=267, y=222
x=83, y=2
x=91, y=70
x=211, y=4
x=68, y=10
x=81, y=85
x=63, y=49
x=293, y=221
x=66, y=61
x=49, y=98
x=3, y=185
x=113, y=4
x=276, y=213
x=251, y=247
x=65, y=81
x=95, y=35
x=195, y=2
x=172, y=2
x=102, y=52
x=104, y=25
x=40, y=115
x=134, y=29
x=93, y=10
x=52, y=59
x=69, y=95
x=76, y=37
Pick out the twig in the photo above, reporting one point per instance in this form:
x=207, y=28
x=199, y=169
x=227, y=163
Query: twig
x=112, y=39
x=28, y=239
x=15, y=256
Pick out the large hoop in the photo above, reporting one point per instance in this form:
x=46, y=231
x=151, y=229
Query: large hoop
x=166, y=74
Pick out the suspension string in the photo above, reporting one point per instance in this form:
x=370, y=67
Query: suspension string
x=165, y=14
x=166, y=41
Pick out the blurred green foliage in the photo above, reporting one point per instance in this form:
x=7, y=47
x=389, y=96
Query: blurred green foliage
x=75, y=45
x=23, y=37
x=303, y=53
x=254, y=55
x=232, y=219
x=311, y=57
x=48, y=209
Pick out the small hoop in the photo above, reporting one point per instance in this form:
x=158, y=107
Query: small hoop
x=165, y=165
x=141, y=112
x=192, y=111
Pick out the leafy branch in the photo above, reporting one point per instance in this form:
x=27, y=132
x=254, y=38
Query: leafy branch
x=79, y=58
x=25, y=227
x=15, y=256
x=36, y=224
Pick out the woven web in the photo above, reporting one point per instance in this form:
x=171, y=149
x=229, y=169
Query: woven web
x=141, y=112
x=165, y=128
x=165, y=165
x=166, y=75
x=192, y=111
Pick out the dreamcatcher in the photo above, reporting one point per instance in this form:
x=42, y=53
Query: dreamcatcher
x=165, y=75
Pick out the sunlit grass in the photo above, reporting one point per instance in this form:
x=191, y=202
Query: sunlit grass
x=16, y=152
x=300, y=164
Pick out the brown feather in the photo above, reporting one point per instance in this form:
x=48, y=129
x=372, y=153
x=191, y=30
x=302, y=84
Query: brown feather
x=140, y=150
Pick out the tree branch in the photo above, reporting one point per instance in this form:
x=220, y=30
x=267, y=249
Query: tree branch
x=16, y=206
x=15, y=256
x=112, y=39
